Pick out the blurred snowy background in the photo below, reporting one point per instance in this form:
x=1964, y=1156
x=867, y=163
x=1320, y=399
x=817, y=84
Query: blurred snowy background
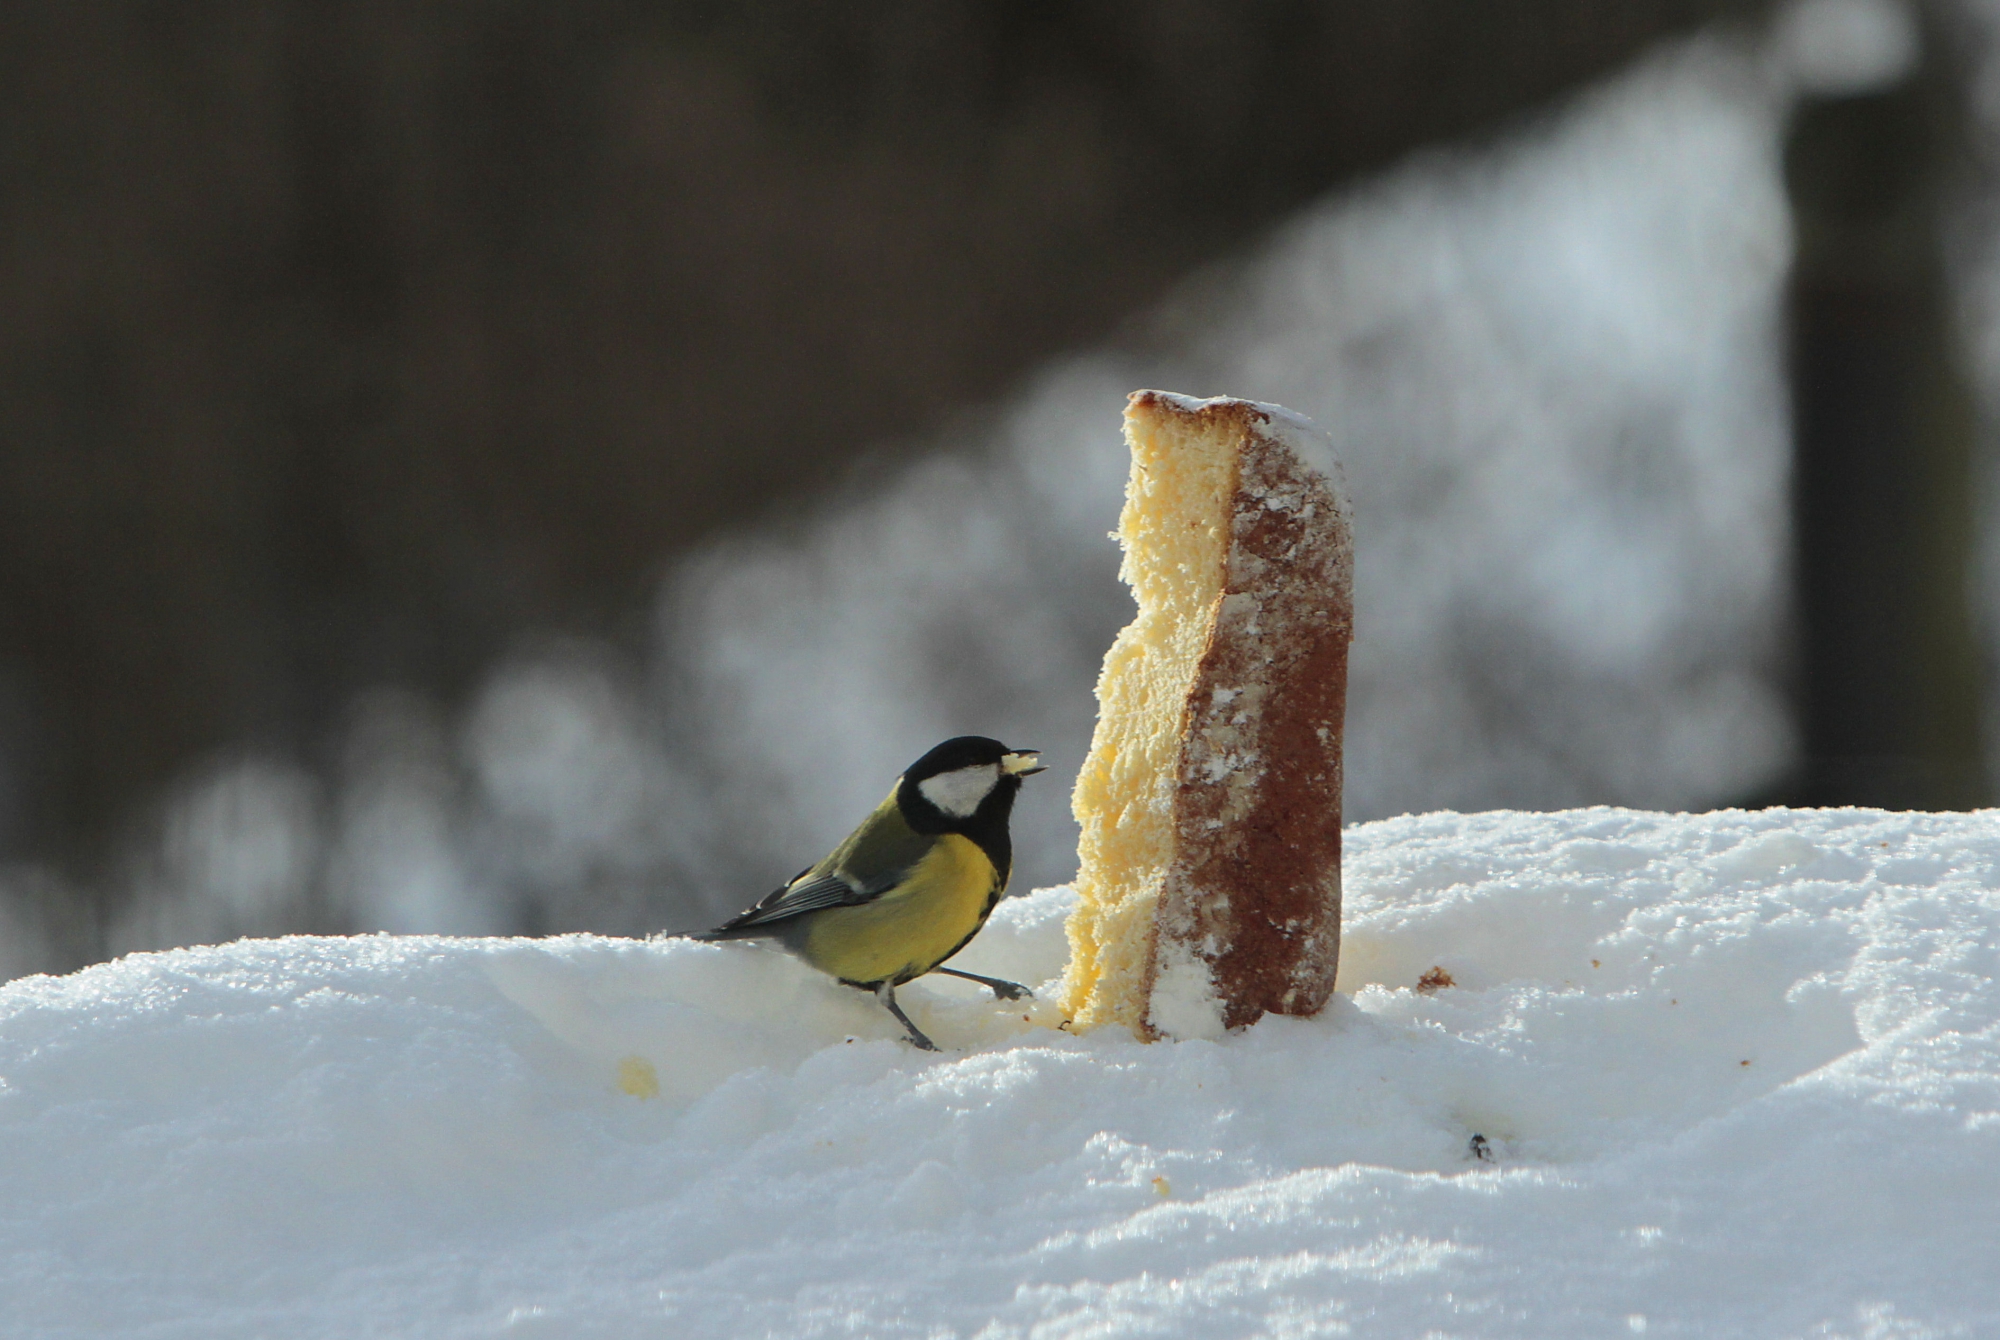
x=1551, y=362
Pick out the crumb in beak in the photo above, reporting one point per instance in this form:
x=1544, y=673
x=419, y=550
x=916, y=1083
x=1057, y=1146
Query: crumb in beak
x=1022, y=763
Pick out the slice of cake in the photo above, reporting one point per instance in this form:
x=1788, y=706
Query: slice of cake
x=1209, y=887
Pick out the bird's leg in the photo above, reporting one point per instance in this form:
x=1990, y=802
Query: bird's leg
x=886, y=993
x=1001, y=990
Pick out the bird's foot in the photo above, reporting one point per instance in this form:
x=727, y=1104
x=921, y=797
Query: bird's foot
x=886, y=993
x=1002, y=990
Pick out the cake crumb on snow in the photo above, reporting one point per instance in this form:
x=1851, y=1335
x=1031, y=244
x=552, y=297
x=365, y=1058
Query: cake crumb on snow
x=1592, y=1073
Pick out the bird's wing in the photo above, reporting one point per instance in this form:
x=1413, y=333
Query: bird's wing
x=808, y=893
x=873, y=860
x=880, y=853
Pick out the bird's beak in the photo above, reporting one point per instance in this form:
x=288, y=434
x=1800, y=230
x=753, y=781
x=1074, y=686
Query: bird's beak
x=1022, y=763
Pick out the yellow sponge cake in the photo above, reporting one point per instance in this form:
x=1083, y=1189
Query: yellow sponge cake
x=1209, y=880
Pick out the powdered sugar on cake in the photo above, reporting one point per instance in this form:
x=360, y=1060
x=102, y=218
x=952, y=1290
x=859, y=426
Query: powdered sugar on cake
x=1253, y=892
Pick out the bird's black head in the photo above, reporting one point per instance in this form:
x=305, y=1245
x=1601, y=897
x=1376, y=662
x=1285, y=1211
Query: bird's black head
x=966, y=785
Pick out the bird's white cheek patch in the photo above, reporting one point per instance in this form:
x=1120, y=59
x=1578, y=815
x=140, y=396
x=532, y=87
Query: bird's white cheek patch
x=959, y=792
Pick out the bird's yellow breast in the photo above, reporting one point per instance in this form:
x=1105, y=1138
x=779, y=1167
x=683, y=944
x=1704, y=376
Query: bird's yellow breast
x=913, y=927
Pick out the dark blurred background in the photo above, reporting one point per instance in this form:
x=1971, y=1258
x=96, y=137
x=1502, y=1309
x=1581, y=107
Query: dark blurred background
x=349, y=349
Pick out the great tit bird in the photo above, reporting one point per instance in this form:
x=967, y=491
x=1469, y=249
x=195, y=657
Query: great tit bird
x=912, y=885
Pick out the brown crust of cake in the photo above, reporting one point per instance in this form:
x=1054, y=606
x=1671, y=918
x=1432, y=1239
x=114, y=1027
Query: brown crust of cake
x=1253, y=891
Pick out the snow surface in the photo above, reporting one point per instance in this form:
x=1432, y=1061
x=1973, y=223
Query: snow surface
x=1739, y=1074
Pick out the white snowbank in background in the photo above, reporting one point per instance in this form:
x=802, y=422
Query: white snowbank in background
x=1550, y=365
x=1551, y=370
x=1739, y=1073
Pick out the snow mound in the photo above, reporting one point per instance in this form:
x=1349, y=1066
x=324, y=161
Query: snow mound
x=1731, y=1074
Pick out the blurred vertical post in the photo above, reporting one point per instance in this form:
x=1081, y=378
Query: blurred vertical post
x=1887, y=671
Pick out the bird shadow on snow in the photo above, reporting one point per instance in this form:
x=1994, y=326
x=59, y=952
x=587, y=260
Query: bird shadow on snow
x=674, y=1019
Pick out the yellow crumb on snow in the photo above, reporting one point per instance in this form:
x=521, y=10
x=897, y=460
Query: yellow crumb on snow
x=637, y=1077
